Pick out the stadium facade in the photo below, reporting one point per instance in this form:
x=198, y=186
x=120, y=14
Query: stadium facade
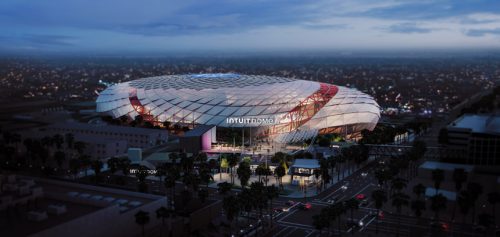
x=283, y=109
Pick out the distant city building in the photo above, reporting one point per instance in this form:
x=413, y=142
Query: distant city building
x=284, y=109
x=135, y=137
x=475, y=139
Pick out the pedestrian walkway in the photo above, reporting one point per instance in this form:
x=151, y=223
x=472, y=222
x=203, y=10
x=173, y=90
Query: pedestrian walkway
x=292, y=191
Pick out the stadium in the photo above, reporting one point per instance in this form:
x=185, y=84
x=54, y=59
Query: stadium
x=285, y=110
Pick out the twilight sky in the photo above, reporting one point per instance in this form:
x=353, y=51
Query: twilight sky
x=190, y=25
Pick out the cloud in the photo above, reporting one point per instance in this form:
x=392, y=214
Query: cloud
x=408, y=28
x=325, y=26
x=209, y=24
x=482, y=32
x=54, y=40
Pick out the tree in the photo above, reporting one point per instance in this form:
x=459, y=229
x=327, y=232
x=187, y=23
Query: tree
x=380, y=197
x=224, y=187
x=280, y=171
x=399, y=200
x=141, y=175
x=58, y=139
x=232, y=160
x=464, y=202
x=475, y=189
x=271, y=192
x=437, y=177
x=79, y=146
x=459, y=177
x=438, y=203
x=171, y=177
x=142, y=218
x=59, y=156
x=231, y=208
x=335, y=212
x=97, y=167
x=398, y=184
x=493, y=199
x=85, y=162
x=486, y=220
x=203, y=194
x=74, y=167
x=163, y=213
x=244, y=173
x=112, y=163
x=419, y=190
x=352, y=204
x=418, y=206
x=70, y=139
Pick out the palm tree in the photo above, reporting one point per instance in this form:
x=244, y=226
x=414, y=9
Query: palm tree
x=203, y=194
x=97, y=167
x=174, y=156
x=419, y=190
x=493, y=199
x=280, y=171
x=337, y=210
x=272, y=192
x=475, y=189
x=380, y=197
x=69, y=138
x=79, y=146
x=485, y=220
x=321, y=221
x=74, y=167
x=141, y=175
x=231, y=207
x=171, y=177
x=459, y=177
x=352, y=204
x=438, y=203
x=398, y=184
x=437, y=177
x=418, y=206
x=85, y=162
x=383, y=175
x=224, y=187
x=59, y=156
x=232, y=160
x=464, y=202
x=332, y=163
x=399, y=200
x=161, y=171
x=163, y=213
x=142, y=218
x=205, y=174
x=247, y=201
x=58, y=139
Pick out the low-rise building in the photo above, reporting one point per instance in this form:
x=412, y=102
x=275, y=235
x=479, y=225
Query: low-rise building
x=302, y=170
x=135, y=137
x=474, y=139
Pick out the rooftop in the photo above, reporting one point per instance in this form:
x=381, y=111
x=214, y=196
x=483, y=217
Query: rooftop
x=306, y=163
x=199, y=130
x=79, y=201
x=105, y=128
x=478, y=123
x=432, y=165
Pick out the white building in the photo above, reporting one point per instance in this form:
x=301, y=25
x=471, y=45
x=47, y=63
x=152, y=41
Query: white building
x=284, y=109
